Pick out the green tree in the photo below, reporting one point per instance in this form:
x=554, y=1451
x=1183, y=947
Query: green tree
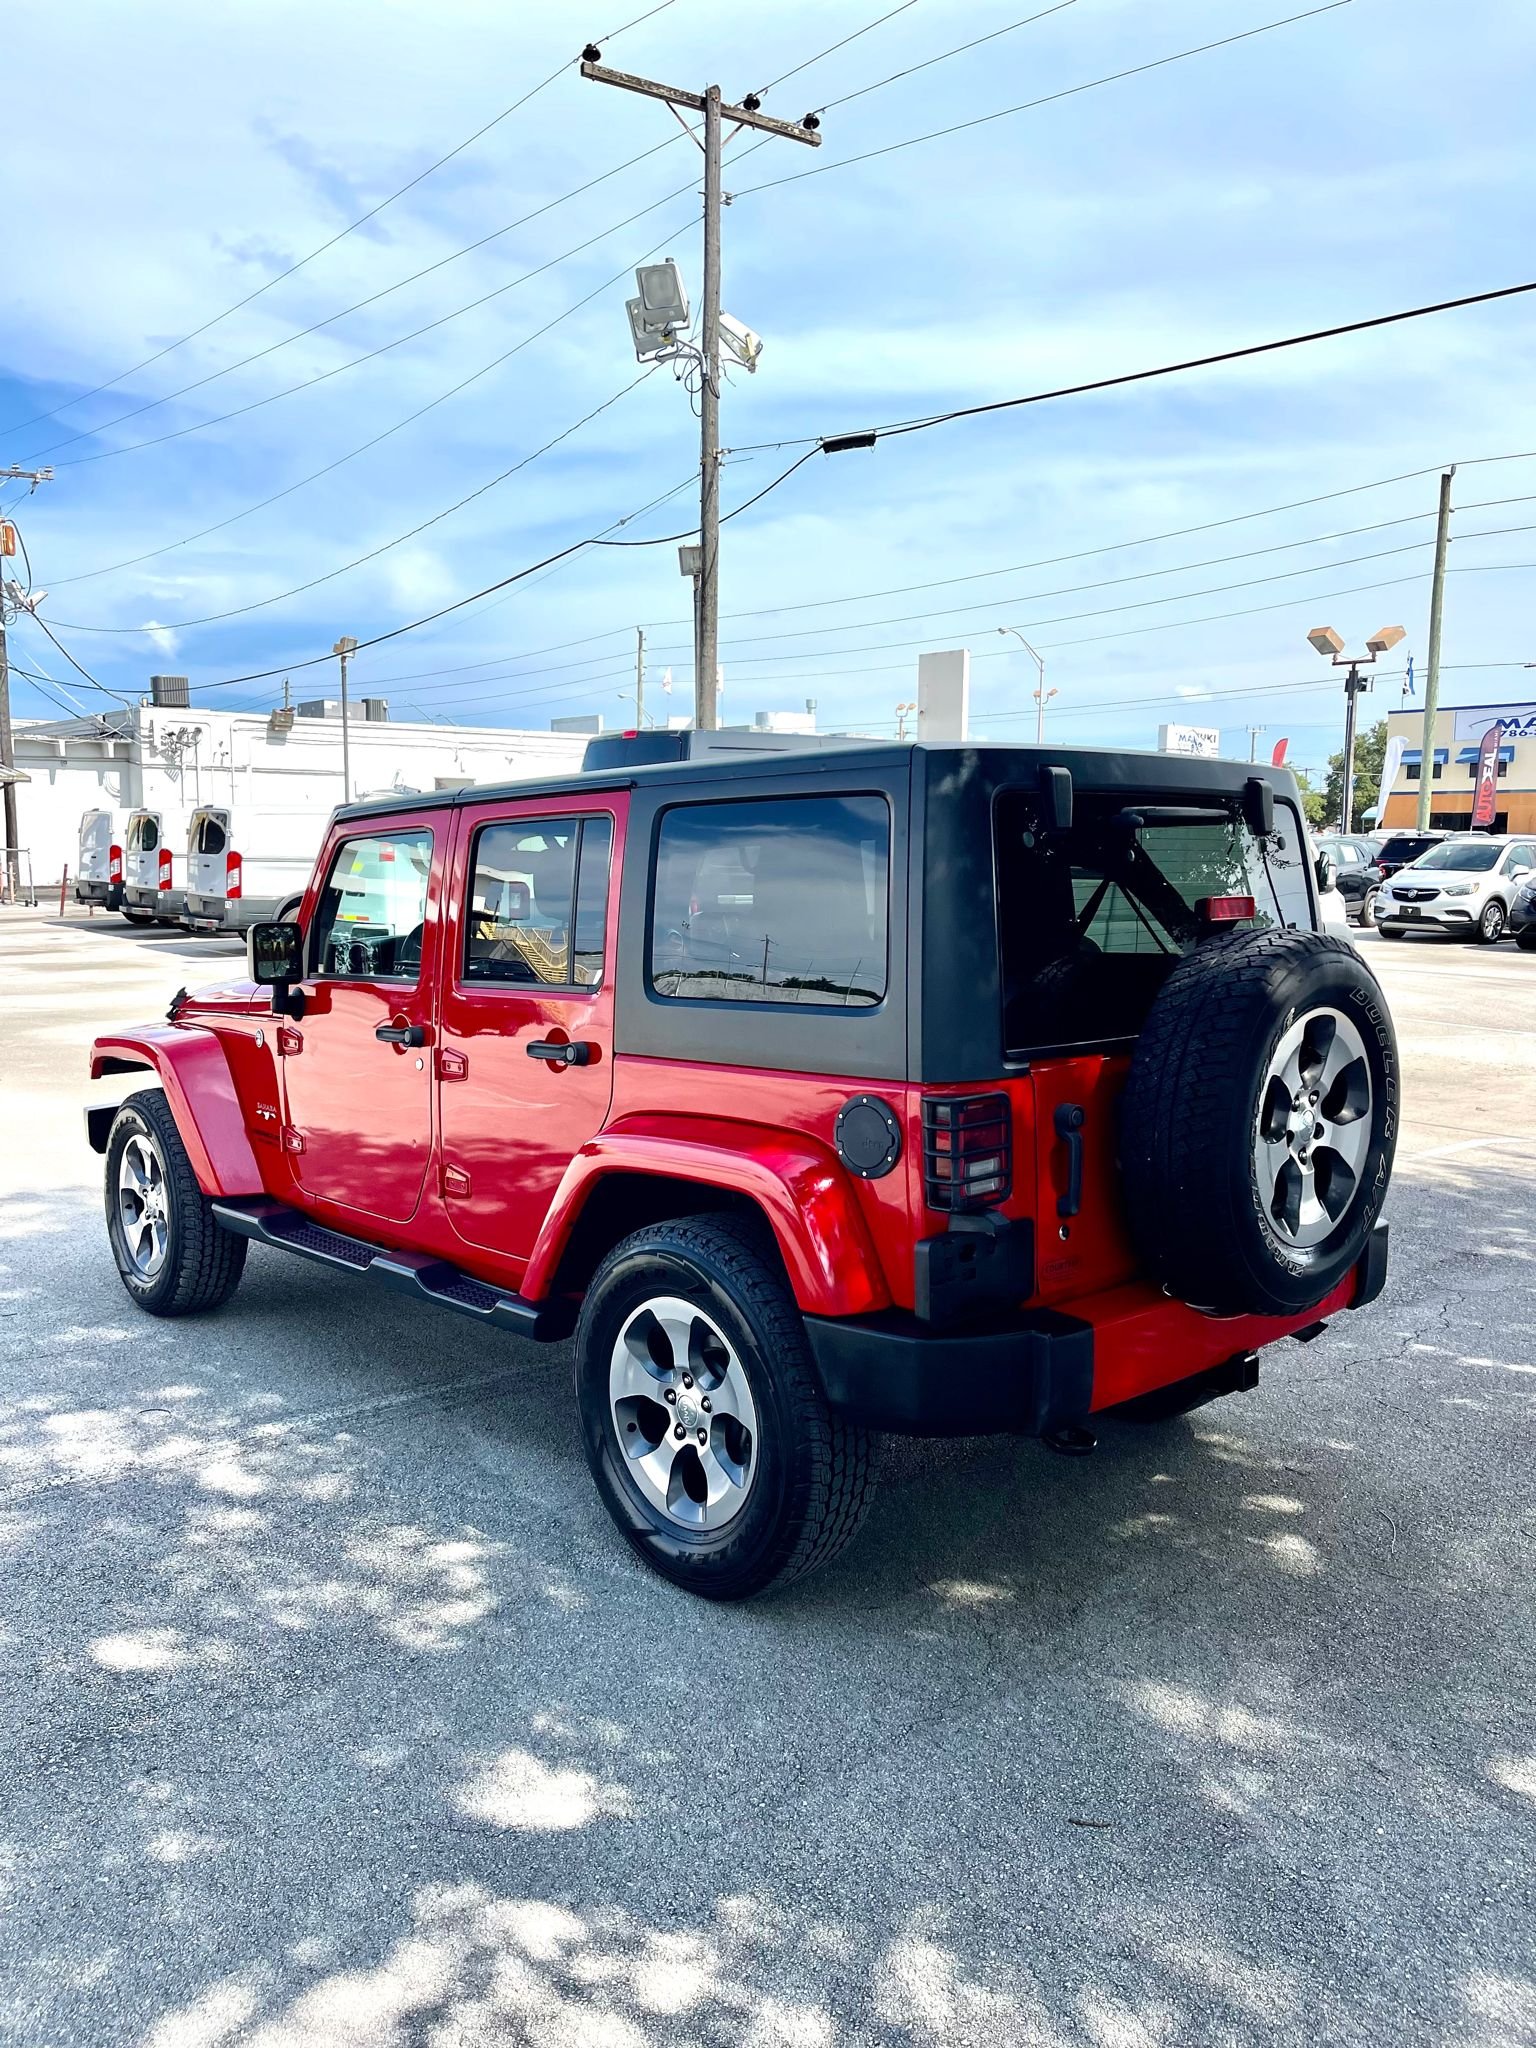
x=1370, y=752
x=1313, y=803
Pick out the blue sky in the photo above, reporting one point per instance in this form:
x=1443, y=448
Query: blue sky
x=163, y=162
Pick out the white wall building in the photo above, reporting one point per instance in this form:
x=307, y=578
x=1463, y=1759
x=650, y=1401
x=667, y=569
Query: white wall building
x=172, y=759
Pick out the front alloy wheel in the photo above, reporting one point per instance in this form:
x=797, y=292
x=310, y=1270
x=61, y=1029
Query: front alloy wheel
x=1490, y=926
x=142, y=1200
x=1313, y=1128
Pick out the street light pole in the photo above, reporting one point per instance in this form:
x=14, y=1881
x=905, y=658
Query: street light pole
x=1354, y=683
x=346, y=647
x=1042, y=696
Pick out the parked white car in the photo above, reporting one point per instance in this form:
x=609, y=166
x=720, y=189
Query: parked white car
x=1465, y=885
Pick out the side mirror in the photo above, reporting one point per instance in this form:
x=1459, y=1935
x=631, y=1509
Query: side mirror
x=274, y=956
x=1327, y=872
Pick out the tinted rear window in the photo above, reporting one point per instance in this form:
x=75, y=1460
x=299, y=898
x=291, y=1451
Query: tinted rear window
x=1092, y=920
x=209, y=836
x=143, y=835
x=778, y=901
x=1407, y=846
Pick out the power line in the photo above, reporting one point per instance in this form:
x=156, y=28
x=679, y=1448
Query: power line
x=831, y=50
x=1027, y=106
x=518, y=576
x=384, y=348
x=1229, y=355
x=340, y=236
x=1138, y=576
x=260, y=604
x=943, y=58
x=475, y=375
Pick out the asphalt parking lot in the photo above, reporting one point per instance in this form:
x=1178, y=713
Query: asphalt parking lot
x=334, y=1712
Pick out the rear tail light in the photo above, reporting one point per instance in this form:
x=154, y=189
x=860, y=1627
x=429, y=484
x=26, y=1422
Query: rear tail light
x=115, y=864
x=232, y=880
x=164, y=876
x=967, y=1151
x=1226, y=909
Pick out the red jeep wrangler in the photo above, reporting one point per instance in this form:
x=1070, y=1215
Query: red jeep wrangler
x=938, y=1089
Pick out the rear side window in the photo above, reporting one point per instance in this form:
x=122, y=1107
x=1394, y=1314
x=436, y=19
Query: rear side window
x=538, y=902
x=371, y=917
x=143, y=835
x=783, y=900
x=1092, y=921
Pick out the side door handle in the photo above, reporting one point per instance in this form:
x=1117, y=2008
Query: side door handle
x=572, y=1054
x=1069, y=1119
x=401, y=1034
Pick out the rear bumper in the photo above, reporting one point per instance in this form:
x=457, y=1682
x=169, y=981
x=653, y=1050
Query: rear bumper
x=1048, y=1371
x=205, y=913
x=163, y=902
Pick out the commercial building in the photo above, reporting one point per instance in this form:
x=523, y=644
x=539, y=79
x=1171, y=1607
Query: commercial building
x=1459, y=730
x=173, y=758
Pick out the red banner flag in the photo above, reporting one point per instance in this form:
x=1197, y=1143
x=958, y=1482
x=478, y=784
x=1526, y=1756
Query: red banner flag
x=1485, y=804
x=1277, y=758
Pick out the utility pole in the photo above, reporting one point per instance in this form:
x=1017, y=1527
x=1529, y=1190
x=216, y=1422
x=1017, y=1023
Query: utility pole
x=1354, y=683
x=1253, y=741
x=1432, y=679
x=706, y=653
x=639, y=678
x=34, y=477
x=346, y=647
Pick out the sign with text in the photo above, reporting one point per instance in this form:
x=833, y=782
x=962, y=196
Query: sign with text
x=1204, y=740
x=1485, y=804
x=1517, y=721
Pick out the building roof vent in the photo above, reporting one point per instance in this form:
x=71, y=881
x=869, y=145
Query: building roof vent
x=172, y=691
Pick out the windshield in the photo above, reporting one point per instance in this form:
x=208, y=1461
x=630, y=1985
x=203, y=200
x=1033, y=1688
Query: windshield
x=1472, y=856
x=1092, y=920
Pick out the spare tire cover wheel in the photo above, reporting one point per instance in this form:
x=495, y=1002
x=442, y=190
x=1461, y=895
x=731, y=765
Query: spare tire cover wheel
x=1259, y=1121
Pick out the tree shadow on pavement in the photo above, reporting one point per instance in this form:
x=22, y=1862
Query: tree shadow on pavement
x=337, y=1713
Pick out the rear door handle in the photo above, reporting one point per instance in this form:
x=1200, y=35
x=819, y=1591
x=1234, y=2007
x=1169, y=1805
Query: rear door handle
x=1069, y=1127
x=401, y=1034
x=574, y=1054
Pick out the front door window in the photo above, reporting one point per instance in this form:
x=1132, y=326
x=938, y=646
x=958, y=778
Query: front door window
x=372, y=911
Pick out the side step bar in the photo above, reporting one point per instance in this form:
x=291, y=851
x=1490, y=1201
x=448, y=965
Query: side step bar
x=413, y=1273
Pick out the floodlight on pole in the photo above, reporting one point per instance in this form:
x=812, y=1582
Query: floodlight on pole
x=1331, y=647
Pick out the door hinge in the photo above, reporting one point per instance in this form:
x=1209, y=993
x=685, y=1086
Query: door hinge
x=455, y=1181
x=293, y=1141
x=452, y=1065
x=290, y=1043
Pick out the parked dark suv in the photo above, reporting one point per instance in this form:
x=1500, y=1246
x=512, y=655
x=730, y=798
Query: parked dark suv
x=1402, y=849
x=939, y=1089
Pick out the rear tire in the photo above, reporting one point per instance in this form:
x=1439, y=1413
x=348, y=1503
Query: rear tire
x=172, y=1257
x=1368, y=910
x=1259, y=1121
x=703, y=1416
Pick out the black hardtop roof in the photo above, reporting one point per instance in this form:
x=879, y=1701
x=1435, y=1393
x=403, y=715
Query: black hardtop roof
x=1096, y=767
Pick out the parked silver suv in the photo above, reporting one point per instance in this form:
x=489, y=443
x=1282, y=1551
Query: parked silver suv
x=1466, y=884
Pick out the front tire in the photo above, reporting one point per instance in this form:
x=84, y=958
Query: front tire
x=1490, y=926
x=172, y=1257
x=703, y=1416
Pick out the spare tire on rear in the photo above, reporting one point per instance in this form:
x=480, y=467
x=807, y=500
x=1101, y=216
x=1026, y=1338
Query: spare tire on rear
x=1259, y=1122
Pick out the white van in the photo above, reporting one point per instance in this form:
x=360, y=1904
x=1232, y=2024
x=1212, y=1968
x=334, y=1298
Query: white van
x=99, y=861
x=154, y=872
x=243, y=866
